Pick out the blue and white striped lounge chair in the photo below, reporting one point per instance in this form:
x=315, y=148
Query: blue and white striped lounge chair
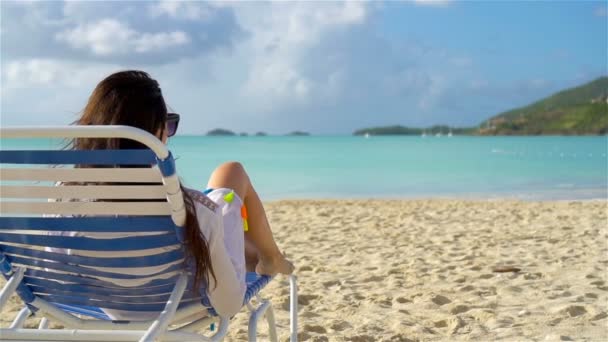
x=71, y=288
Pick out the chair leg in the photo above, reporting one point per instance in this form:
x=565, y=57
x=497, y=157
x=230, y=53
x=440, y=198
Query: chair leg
x=20, y=319
x=293, y=308
x=162, y=322
x=272, y=327
x=253, y=320
x=44, y=323
x=11, y=285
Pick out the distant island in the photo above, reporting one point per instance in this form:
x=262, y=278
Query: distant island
x=220, y=132
x=298, y=134
x=581, y=110
x=402, y=130
x=229, y=133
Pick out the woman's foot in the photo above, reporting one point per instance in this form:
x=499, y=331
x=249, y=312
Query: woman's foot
x=272, y=266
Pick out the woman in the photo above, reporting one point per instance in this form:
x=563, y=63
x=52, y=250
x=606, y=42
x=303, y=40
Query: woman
x=133, y=98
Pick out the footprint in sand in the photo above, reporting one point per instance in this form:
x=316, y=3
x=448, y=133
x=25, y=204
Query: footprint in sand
x=402, y=300
x=467, y=288
x=305, y=299
x=373, y=279
x=303, y=336
x=331, y=283
x=453, y=324
x=315, y=328
x=460, y=309
x=575, y=310
x=440, y=300
x=340, y=325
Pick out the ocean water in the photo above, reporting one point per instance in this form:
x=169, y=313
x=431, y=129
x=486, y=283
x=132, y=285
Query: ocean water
x=314, y=167
x=412, y=167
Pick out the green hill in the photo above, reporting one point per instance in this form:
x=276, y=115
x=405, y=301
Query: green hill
x=580, y=110
x=577, y=111
x=402, y=130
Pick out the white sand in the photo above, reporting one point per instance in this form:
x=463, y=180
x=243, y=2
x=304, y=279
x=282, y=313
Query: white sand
x=423, y=270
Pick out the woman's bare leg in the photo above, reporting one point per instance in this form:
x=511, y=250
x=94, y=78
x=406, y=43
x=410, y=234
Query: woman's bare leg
x=252, y=257
x=233, y=176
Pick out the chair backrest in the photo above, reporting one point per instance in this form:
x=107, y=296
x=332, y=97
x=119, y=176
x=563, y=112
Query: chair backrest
x=108, y=236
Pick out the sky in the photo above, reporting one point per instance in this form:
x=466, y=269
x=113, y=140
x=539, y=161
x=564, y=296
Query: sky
x=321, y=67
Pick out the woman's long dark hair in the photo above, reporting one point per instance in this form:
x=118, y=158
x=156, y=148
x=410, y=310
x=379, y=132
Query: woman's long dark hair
x=133, y=98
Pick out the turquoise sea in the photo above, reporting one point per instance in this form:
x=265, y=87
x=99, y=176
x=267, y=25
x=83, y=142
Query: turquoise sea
x=411, y=167
x=284, y=167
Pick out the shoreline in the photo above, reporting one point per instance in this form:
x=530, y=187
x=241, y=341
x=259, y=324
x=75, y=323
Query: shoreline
x=270, y=199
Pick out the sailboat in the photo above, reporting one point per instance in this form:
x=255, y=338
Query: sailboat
x=424, y=134
x=450, y=134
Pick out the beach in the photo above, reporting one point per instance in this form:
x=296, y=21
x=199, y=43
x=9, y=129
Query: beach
x=438, y=270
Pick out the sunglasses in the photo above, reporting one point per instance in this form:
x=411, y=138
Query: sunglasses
x=172, y=123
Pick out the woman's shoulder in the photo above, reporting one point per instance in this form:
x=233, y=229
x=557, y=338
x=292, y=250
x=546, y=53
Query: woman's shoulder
x=201, y=199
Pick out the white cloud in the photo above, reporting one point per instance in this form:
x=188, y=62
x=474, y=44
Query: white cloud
x=159, y=41
x=188, y=10
x=436, y=3
x=42, y=72
x=601, y=11
x=111, y=37
x=115, y=32
x=281, y=36
x=47, y=92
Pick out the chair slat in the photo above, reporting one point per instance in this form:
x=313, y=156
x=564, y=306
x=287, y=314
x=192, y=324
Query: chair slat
x=96, y=295
x=160, y=259
x=79, y=289
x=88, y=271
x=84, y=280
x=91, y=224
x=122, y=175
x=84, y=191
x=255, y=282
x=86, y=208
x=86, y=157
x=91, y=244
x=90, y=311
x=156, y=307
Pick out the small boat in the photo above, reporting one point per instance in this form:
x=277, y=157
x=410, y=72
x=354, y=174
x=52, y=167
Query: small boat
x=366, y=135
